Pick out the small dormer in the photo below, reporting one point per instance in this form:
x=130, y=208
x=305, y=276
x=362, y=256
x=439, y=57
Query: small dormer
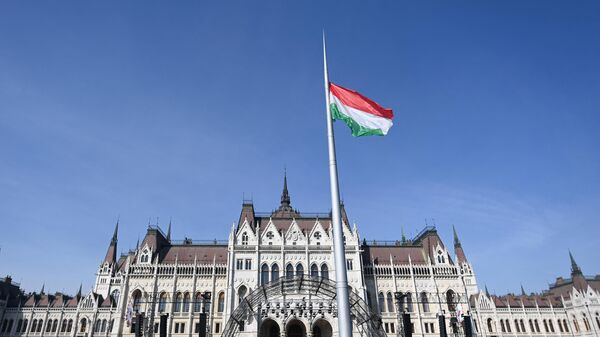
x=145, y=255
x=318, y=235
x=270, y=235
x=245, y=235
x=440, y=255
x=294, y=235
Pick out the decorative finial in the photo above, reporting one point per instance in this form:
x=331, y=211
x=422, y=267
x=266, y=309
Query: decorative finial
x=79, y=291
x=43, y=286
x=169, y=232
x=523, y=290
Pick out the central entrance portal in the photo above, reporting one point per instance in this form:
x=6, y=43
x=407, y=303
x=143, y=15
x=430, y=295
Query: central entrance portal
x=295, y=328
x=269, y=328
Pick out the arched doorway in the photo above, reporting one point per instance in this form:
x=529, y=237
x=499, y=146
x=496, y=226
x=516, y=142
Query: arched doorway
x=322, y=328
x=295, y=328
x=269, y=328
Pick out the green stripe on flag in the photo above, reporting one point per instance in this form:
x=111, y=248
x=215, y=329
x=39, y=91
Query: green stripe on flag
x=357, y=129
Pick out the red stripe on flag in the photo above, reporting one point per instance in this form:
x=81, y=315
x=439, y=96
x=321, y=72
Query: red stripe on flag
x=357, y=101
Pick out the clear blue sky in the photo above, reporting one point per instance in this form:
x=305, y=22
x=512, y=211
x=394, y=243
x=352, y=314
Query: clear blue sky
x=146, y=109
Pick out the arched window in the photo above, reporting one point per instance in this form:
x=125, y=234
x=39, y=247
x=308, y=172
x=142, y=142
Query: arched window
x=489, y=324
x=49, y=326
x=221, y=302
x=198, y=302
x=409, y=302
x=116, y=294
x=264, y=274
x=537, y=326
x=274, y=272
x=523, y=327
x=33, y=325
x=546, y=326
x=54, y=325
x=517, y=326
x=424, y=302
x=63, y=326
x=390, y=302
x=83, y=325
x=451, y=300
x=111, y=324
x=314, y=270
x=289, y=271
x=244, y=238
x=104, y=322
x=502, y=326
x=137, y=300
x=598, y=320
x=324, y=271
x=97, y=326
x=186, y=302
x=586, y=323
x=70, y=326
x=531, y=328
x=299, y=269
x=242, y=293
x=575, y=324
x=508, y=326
x=162, y=302
x=179, y=302
x=565, y=325
x=381, y=302
x=40, y=325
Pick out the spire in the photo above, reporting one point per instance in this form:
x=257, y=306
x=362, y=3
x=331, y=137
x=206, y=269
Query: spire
x=79, y=291
x=43, y=286
x=523, y=291
x=285, y=196
x=460, y=254
x=169, y=232
x=403, y=236
x=456, y=240
x=487, y=293
x=111, y=253
x=575, y=270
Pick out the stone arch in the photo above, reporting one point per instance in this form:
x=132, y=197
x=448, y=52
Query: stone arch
x=322, y=328
x=269, y=328
x=364, y=321
x=295, y=328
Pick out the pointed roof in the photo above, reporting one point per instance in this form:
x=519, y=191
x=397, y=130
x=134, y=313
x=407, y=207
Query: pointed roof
x=169, y=232
x=523, y=291
x=285, y=206
x=574, y=267
x=111, y=253
x=460, y=253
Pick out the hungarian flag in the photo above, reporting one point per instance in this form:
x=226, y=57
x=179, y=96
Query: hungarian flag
x=362, y=115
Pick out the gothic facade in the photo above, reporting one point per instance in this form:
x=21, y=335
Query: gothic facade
x=420, y=276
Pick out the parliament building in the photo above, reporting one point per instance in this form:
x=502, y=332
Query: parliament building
x=274, y=277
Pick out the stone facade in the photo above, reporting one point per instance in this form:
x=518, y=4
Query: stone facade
x=164, y=276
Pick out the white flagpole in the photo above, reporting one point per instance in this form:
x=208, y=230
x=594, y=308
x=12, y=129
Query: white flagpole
x=339, y=251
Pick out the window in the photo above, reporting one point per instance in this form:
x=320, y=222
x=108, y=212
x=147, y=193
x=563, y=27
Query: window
x=502, y=326
x=49, y=326
x=586, y=322
x=186, y=302
x=537, y=326
x=390, y=302
x=242, y=324
x=432, y=329
x=179, y=302
x=489, y=324
x=349, y=264
x=137, y=300
x=221, y=302
x=83, y=325
x=162, y=302
x=424, y=302
x=33, y=325
x=179, y=327
x=248, y=264
x=198, y=300
x=19, y=325
x=299, y=269
x=451, y=300
x=54, y=325
x=115, y=296
x=523, y=327
x=324, y=271
x=217, y=327
x=531, y=328
x=546, y=326
x=103, y=328
x=314, y=270
x=40, y=324
x=381, y=301
x=392, y=328
x=560, y=327
x=264, y=274
x=508, y=326
x=274, y=272
x=409, y=302
x=239, y=264
x=387, y=327
x=242, y=293
x=426, y=327
x=70, y=326
x=244, y=238
x=565, y=325
x=597, y=320
x=289, y=271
